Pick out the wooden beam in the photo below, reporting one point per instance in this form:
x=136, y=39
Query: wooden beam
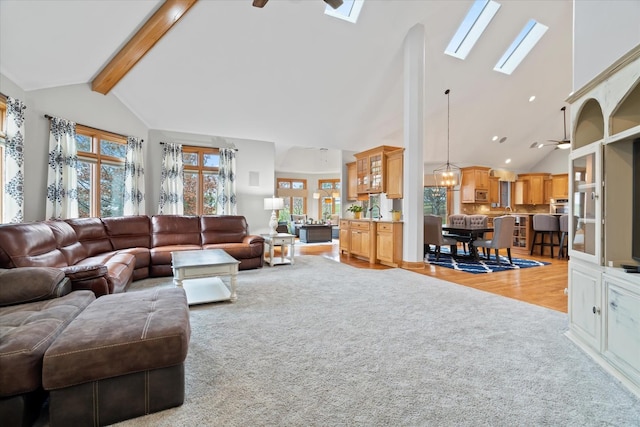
x=162, y=20
x=259, y=3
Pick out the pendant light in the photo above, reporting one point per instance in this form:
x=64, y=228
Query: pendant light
x=447, y=174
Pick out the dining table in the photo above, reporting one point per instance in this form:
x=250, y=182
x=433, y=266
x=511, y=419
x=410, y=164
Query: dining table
x=468, y=235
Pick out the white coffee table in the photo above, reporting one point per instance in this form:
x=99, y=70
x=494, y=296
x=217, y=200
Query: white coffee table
x=196, y=272
x=282, y=240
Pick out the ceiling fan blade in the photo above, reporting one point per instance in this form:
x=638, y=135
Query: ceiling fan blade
x=334, y=3
x=259, y=3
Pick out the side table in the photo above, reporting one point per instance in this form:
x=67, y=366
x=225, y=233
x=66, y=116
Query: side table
x=282, y=240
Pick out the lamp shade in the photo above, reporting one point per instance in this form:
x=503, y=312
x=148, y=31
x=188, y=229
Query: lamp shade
x=273, y=203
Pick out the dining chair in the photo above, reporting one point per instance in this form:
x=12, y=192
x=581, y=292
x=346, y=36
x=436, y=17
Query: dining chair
x=433, y=236
x=458, y=220
x=502, y=237
x=477, y=221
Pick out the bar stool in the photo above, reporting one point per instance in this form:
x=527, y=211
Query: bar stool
x=563, y=222
x=544, y=224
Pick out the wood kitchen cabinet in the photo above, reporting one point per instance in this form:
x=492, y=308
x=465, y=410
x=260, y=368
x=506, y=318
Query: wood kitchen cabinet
x=371, y=170
x=395, y=163
x=532, y=189
x=352, y=181
x=345, y=234
x=362, y=239
x=389, y=243
x=474, y=184
x=560, y=186
x=494, y=190
x=548, y=189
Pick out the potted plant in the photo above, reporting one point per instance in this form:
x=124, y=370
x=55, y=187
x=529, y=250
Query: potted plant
x=356, y=209
x=395, y=214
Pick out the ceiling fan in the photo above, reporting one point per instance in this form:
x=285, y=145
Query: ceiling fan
x=333, y=3
x=564, y=144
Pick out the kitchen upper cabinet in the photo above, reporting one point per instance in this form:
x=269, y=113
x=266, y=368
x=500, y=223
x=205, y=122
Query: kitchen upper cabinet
x=548, y=190
x=352, y=181
x=532, y=189
x=494, y=190
x=371, y=170
x=474, y=184
x=394, y=174
x=560, y=186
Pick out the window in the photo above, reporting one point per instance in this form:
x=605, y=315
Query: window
x=478, y=18
x=294, y=194
x=328, y=198
x=438, y=201
x=201, y=166
x=521, y=46
x=101, y=158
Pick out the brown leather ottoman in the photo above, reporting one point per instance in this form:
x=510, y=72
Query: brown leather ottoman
x=121, y=358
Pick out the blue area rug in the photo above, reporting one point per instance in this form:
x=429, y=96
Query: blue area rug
x=468, y=265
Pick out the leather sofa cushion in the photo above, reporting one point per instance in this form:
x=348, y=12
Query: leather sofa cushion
x=128, y=231
x=29, y=245
x=169, y=230
x=29, y=284
x=119, y=266
x=26, y=331
x=147, y=330
x=223, y=229
x=67, y=241
x=91, y=234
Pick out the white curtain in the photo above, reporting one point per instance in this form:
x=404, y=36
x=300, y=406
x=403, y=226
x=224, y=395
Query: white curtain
x=171, y=180
x=13, y=194
x=134, y=178
x=62, y=179
x=227, y=201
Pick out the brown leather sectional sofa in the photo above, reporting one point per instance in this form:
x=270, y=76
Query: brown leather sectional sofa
x=76, y=261
x=106, y=254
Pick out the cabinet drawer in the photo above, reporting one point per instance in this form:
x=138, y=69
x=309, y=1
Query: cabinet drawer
x=360, y=225
x=383, y=226
x=344, y=223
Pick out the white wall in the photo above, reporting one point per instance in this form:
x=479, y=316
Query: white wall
x=604, y=30
x=77, y=103
x=557, y=161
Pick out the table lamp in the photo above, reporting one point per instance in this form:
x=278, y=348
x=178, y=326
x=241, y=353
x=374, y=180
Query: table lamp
x=273, y=203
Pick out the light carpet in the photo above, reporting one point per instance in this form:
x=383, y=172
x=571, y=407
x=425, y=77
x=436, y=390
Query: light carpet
x=325, y=344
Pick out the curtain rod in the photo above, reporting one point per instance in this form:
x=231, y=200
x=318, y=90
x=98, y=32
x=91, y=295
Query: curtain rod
x=204, y=142
x=47, y=116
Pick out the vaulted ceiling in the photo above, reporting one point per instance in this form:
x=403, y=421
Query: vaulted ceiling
x=290, y=74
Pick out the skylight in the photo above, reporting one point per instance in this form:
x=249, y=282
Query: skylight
x=521, y=46
x=349, y=11
x=472, y=27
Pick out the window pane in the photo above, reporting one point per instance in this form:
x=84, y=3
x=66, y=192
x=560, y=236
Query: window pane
x=190, y=193
x=298, y=206
x=111, y=148
x=326, y=185
x=83, y=142
x=284, y=214
x=190, y=159
x=284, y=184
x=111, y=190
x=211, y=160
x=84, y=189
x=210, y=194
x=298, y=185
x=435, y=201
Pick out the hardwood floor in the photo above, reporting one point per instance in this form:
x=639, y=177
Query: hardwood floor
x=542, y=286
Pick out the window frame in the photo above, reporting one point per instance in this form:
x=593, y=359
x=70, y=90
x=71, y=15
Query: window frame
x=291, y=197
x=201, y=170
x=335, y=187
x=3, y=141
x=95, y=159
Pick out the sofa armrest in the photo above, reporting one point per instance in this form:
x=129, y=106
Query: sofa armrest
x=252, y=239
x=84, y=272
x=29, y=284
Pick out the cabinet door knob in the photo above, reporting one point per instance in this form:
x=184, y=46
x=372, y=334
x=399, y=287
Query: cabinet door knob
x=596, y=310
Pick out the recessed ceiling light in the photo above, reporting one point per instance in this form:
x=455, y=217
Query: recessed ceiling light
x=507, y=161
x=495, y=138
x=532, y=98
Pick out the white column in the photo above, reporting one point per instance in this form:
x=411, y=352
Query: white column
x=413, y=174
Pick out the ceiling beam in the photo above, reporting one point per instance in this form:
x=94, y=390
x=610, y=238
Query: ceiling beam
x=162, y=20
x=259, y=3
